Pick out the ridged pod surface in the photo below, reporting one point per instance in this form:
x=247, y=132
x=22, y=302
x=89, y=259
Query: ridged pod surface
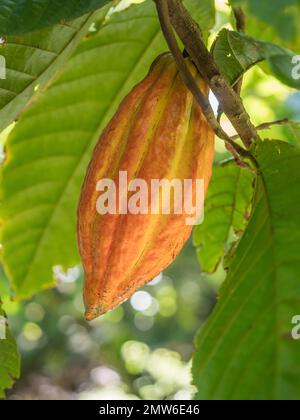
x=158, y=132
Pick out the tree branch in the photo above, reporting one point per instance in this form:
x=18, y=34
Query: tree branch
x=240, y=19
x=232, y=105
x=187, y=77
x=267, y=125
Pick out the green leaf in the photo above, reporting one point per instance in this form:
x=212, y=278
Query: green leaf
x=19, y=17
x=4, y=284
x=9, y=356
x=235, y=53
x=273, y=20
x=226, y=211
x=294, y=128
x=246, y=350
x=31, y=60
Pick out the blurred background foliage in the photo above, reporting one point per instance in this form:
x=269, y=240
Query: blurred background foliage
x=139, y=350
x=143, y=348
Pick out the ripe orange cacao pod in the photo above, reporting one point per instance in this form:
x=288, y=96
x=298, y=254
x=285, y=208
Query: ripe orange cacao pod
x=158, y=132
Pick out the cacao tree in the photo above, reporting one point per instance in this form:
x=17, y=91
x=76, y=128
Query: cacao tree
x=90, y=90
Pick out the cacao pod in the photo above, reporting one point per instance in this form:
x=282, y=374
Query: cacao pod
x=158, y=132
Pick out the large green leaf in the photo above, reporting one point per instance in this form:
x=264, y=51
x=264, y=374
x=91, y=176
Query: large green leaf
x=19, y=17
x=9, y=356
x=31, y=60
x=226, y=212
x=246, y=350
x=273, y=20
x=235, y=53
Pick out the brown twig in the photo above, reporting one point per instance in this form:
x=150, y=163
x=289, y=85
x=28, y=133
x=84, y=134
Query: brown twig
x=190, y=34
x=240, y=19
x=267, y=126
